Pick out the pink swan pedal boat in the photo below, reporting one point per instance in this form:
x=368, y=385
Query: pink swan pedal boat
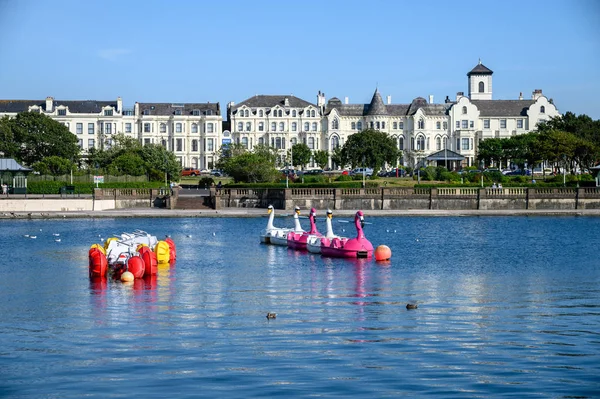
x=342, y=247
x=313, y=244
x=298, y=240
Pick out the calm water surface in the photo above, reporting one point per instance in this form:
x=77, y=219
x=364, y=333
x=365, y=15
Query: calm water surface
x=507, y=307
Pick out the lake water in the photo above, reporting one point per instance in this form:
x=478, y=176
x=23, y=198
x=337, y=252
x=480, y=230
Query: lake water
x=508, y=306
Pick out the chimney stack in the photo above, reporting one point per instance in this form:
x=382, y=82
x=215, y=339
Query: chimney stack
x=520, y=95
x=537, y=93
x=49, y=104
x=119, y=104
x=345, y=100
x=389, y=100
x=431, y=99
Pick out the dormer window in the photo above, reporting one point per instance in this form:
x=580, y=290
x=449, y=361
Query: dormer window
x=293, y=113
x=280, y=113
x=421, y=124
x=108, y=112
x=177, y=112
x=146, y=112
x=246, y=113
x=208, y=112
x=260, y=113
x=312, y=113
x=196, y=112
x=62, y=112
x=542, y=110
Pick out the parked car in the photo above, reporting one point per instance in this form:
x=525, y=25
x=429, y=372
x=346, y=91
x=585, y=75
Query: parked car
x=190, y=172
x=313, y=172
x=217, y=173
x=392, y=173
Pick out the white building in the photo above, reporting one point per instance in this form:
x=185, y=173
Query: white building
x=279, y=121
x=192, y=131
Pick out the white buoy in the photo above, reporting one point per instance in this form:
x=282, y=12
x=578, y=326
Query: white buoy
x=189, y=236
x=57, y=240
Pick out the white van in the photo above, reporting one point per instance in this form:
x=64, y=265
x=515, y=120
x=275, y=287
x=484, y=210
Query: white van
x=359, y=171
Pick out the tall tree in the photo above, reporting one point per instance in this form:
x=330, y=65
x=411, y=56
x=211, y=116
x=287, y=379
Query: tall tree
x=321, y=157
x=300, y=155
x=41, y=136
x=371, y=148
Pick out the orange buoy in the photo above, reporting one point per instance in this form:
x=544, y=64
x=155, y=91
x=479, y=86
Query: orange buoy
x=172, y=249
x=150, y=261
x=98, y=265
x=136, y=266
x=383, y=252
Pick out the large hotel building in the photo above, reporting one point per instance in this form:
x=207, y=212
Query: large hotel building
x=196, y=131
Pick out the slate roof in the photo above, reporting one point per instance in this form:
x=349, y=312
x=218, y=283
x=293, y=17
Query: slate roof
x=270, y=101
x=446, y=154
x=480, y=69
x=75, y=106
x=391, y=109
x=502, y=107
x=186, y=108
x=12, y=165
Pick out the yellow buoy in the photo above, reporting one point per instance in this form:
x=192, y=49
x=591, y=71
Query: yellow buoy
x=108, y=241
x=162, y=251
x=127, y=276
x=100, y=247
x=383, y=252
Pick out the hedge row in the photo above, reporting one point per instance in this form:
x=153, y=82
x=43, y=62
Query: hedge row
x=54, y=187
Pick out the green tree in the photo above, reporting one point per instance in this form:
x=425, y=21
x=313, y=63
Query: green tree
x=371, y=148
x=37, y=137
x=129, y=164
x=242, y=165
x=490, y=151
x=160, y=161
x=54, y=166
x=300, y=155
x=338, y=157
x=9, y=146
x=321, y=157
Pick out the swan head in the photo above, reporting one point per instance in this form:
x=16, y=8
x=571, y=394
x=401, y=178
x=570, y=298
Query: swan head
x=270, y=209
x=329, y=213
x=313, y=212
x=297, y=210
x=361, y=217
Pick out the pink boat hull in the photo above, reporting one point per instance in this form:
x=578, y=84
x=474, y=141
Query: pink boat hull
x=347, y=248
x=297, y=240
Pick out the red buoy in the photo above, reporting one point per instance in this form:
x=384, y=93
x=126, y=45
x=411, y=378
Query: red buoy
x=98, y=264
x=136, y=266
x=172, y=249
x=150, y=261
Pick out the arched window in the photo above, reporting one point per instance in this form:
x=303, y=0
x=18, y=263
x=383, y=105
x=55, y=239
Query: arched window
x=194, y=145
x=464, y=110
x=314, y=126
x=163, y=128
x=281, y=126
x=245, y=142
x=438, y=144
x=294, y=126
x=421, y=124
x=246, y=113
x=481, y=87
x=261, y=140
x=358, y=125
x=353, y=125
x=311, y=143
x=274, y=126
x=335, y=124
x=421, y=143
x=248, y=126
x=294, y=113
x=312, y=113
x=260, y=113
x=280, y=113
x=194, y=128
x=438, y=125
x=401, y=143
x=542, y=110
x=240, y=126
x=261, y=126
x=335, y=142
x=306, y=126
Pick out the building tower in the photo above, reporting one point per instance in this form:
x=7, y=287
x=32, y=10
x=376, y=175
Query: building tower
x=480, y=82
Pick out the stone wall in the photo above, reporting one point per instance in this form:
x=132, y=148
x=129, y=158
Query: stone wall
x=440, y=198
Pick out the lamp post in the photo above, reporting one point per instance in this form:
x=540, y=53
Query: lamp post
x=564, y=170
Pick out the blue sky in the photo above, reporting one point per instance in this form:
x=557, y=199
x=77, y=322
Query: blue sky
x=222, y=51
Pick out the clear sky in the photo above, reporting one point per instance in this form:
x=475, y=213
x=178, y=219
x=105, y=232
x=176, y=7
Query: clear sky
x=222, y=51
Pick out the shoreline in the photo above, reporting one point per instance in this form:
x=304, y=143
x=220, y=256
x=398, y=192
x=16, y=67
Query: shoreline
x=259, y=212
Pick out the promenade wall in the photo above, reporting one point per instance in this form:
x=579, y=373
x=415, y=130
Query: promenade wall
x=440, y=198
